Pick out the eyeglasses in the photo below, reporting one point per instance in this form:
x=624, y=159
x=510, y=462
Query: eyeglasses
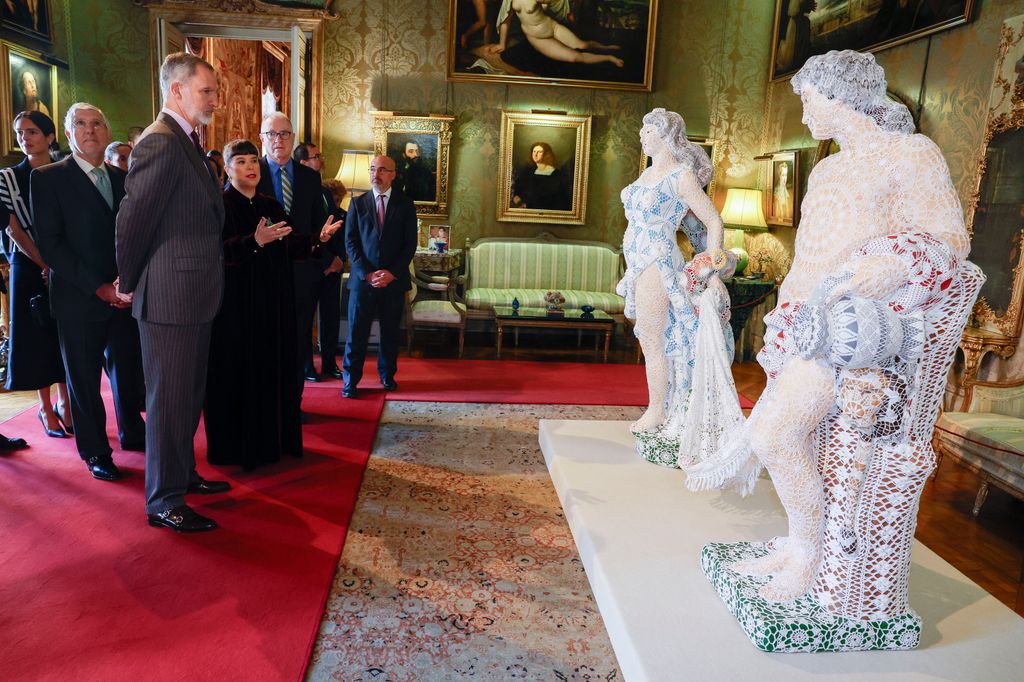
x=274, y=135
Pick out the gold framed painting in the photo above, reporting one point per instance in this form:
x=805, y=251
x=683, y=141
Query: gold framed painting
x=804, y=28
x=782, y=200
x=28, y=83
x=542, y=168
x=607, y=44
x=33, y=18
x=420, y=147
x=711, y=147
x=996, y=204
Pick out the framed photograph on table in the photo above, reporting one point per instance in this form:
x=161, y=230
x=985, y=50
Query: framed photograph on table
x=709, y=146
x=783, y=189
x=607, y=44
x=542, y=168
x=32, y=18
x=804, y=28
x=28, y=83
x=420, y=147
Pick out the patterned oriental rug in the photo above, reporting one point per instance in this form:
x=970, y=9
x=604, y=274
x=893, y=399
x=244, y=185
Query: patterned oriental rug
x=459, y=563
x=88, y=591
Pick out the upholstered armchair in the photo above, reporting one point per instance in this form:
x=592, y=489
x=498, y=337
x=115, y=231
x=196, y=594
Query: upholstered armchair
x=447, y=311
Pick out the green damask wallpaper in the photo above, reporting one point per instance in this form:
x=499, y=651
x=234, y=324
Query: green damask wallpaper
x=390, y=55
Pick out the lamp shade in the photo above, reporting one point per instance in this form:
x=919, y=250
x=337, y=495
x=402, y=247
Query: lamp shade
x=743, y=209
x=354, y=171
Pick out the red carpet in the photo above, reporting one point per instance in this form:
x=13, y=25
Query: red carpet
x=518, y=382
x=88, y=591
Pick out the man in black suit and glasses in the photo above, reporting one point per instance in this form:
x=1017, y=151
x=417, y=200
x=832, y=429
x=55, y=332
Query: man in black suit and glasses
x=169, y=257
x=380, y=234
x=297, y=188
x=74, y=204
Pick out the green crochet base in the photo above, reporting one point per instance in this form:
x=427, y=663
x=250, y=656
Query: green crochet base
x=801, y=625
x=658, y=449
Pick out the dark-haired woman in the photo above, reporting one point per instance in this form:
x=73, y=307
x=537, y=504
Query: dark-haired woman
x=35, y=362
x=252, y=399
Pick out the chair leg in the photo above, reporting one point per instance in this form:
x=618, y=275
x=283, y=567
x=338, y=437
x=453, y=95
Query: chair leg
x=408, y=338
x=980, y=499
x=462, y=340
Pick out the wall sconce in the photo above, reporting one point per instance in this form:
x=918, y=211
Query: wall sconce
x=354, y=173
x=743, y=210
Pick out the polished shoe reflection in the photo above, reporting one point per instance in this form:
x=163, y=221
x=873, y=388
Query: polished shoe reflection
x=103, y=469
x=333, y=372
x=388, y=383
x=12, y=443
x=204, y=487
x=311, y=375
x=182, y=519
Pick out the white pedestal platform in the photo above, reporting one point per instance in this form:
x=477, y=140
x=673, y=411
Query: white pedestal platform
x=640, y=533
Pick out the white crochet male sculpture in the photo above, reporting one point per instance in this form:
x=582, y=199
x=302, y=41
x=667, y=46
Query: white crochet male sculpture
x=670, y=299
x=857, y=354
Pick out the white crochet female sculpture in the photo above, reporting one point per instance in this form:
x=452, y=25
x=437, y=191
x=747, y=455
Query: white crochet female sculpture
x=660, y=289
x=856, y=354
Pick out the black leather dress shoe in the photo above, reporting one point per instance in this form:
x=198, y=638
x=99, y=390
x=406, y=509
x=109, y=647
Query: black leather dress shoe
x=311, y=375
x=12, y=443
x=182, y=519
x=349, y=391
x=388, y=384
x=103, y=469
x=204, y=487
x=333, y=372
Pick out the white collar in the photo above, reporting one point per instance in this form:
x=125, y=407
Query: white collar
x=179, y=119
x=386, y=195
x=87, y=167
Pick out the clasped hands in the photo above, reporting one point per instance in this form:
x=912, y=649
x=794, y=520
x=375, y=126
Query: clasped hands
x=110, y=292
x=378, y=279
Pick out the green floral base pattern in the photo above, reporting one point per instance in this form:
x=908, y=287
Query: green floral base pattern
x=801, y=625
x=658, y=448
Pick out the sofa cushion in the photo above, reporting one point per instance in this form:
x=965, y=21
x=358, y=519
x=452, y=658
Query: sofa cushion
x=992, y=430
x=437, y=311
x=535, y=265
x=485, y=298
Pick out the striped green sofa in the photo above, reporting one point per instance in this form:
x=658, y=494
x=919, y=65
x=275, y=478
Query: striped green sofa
x=987, y=436
x=500, y=269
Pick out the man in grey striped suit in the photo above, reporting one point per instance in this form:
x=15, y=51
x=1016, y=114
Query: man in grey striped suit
x=169, y=256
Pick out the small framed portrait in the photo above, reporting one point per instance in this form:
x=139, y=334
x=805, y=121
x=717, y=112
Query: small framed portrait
x=782, y=197
x=32, y=18
x=29, y=84
x=439, y=238
x=709, y=146
x=804, y=28
x=542, y=168
x=577, y=43
x=419, y=146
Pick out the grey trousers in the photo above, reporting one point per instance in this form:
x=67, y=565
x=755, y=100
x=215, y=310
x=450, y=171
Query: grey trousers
x=174, y=359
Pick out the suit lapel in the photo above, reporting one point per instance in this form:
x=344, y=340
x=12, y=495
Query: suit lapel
x=86, y=187
x=192, y=153
x=116, y=185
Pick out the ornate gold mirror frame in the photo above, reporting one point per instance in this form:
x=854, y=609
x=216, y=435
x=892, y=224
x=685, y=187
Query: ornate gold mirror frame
x=248, y=14
x=996, y=210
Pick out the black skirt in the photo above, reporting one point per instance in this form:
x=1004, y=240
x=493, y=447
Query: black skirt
x=34, y=361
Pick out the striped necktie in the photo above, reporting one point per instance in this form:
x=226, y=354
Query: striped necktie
x=286, y=190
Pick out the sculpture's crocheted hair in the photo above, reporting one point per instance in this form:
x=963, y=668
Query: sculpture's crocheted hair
x=672, y=129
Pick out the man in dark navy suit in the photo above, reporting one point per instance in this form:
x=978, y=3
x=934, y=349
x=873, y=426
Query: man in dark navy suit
x=380, y=235
x=74, y=204
x=297, y=188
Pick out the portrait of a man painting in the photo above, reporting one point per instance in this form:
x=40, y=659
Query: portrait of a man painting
x=804, y=28
x=30, y=17
x=586, y=43
x=543, y=167
x=420, y=147
x=415, y=156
